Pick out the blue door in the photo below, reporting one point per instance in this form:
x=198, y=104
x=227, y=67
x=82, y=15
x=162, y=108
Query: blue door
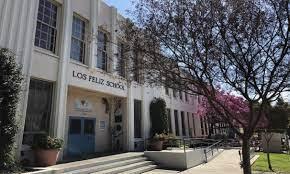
x=81, y=137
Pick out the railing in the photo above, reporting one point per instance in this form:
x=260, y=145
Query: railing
x=211, y=148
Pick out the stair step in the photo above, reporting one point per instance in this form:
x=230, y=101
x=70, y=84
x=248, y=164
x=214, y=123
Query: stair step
x=141, y=170
x=107, y=166
x=68, y=167
x=121, y=169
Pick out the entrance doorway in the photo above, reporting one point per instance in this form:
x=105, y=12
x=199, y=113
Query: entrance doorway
x=81, y=136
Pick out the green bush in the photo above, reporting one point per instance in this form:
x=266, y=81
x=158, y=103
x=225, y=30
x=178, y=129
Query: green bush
x=47, y=142
x=159, y=121
x=10, y=87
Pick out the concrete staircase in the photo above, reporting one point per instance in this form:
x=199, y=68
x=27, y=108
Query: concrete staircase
x=129, y=163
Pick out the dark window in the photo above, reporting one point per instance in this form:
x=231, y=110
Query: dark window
x=176, y=123
x=78, y=45
x=183, y=123
x=186, y=97
x=205, y=125
x=193, y=123
x=174, y=93
x=169, y=120
x=102, y=51
x=189, y=129
x=180, y=95
x=137, y=119
x=201, y=126
x=46, y=31
x=166, y=90
x=89, y=127
x=136, y=67
x=75, y=126
x=121, y=60
x=38, y=106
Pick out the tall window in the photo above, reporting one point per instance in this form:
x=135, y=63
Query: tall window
x=186, y=97
x=136, y=68
x=121, y=60
x=189, y=129
x=137, y=119
x=182, y=123
x=78, y=45
x=46, y=30
x=176, y=123
x=193, y=123
x=201, y=126
x=174, y=93
x=205, y=126
x=169, y=120
x=180, y=95
x=38, y=109
x=102, y=54
x=166, y=90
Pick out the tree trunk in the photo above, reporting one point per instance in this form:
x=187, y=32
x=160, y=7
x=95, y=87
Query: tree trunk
x=267, y=151
x=246, y=156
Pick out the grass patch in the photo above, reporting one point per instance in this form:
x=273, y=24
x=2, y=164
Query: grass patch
x=280, y=163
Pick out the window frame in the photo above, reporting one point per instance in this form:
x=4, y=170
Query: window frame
x=121, y=71
x=106, y=51
x=85, y=45
x=57, y=28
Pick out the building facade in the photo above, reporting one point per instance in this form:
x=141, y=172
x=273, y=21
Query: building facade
x=69, y=51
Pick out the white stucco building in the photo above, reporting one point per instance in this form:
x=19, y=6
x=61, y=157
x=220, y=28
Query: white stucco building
x=69, y=51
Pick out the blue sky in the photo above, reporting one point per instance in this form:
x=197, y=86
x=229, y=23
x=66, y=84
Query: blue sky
x=121, y=5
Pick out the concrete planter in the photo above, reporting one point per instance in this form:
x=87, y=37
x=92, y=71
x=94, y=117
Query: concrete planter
x=46, y=157
x=156, y=145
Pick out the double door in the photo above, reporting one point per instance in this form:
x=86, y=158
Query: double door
x=81, y=137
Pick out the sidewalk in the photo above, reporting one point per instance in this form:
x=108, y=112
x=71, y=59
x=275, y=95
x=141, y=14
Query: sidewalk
x=225, y=163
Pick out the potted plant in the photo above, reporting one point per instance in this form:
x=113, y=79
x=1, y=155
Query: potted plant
x=156, y=143
x=46, y=150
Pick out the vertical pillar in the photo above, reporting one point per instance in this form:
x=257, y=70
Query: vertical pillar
x=172, y=121
x=130, y=119
x=180, y=123
x=61, y=84
x=25, y=50
x=113, y=46
x=93, y=32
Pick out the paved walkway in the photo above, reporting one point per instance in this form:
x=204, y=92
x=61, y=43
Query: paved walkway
x=225, y=163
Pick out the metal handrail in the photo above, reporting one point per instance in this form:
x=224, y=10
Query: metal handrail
x=211, y=149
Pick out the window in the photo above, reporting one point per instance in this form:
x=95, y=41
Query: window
x=193, y=123
x=46, y=30
x=75, y=126
x=186, y=97
x=182, y=123
x=180, y=95
x=201, y=126
x=169, y=120
x=205, y=126
x=136, y=68
x=176, y=122
x=38, y=109
x=189, y=129
x=121, y=60
x=102, y=51
x=137, y=119
x=174, y=93
x=78, y=45
x=166, y=90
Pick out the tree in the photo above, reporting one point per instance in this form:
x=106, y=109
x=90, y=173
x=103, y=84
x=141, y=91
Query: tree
x=10, y=86
x=158, y=116
x=200, y=46
x=277, y=123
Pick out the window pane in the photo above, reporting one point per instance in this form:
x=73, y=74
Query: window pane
x=182, y=123
x=78, y=42
x=39, y=106
x=46, y=25
x=137, y=119
x=89, y=127
x=102, y=51
x=75, y=126
x=176, y=122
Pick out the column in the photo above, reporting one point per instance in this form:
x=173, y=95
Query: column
x=93, y=32
x=172, y=121
x=61, y=84
x=130, y=119
x=113, y=45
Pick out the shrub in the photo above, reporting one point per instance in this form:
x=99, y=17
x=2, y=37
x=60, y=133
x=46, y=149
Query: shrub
x=159, y=121
x=47, y=142
x=10, y=87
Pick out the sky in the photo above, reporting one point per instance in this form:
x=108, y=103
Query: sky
x=121, y=5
